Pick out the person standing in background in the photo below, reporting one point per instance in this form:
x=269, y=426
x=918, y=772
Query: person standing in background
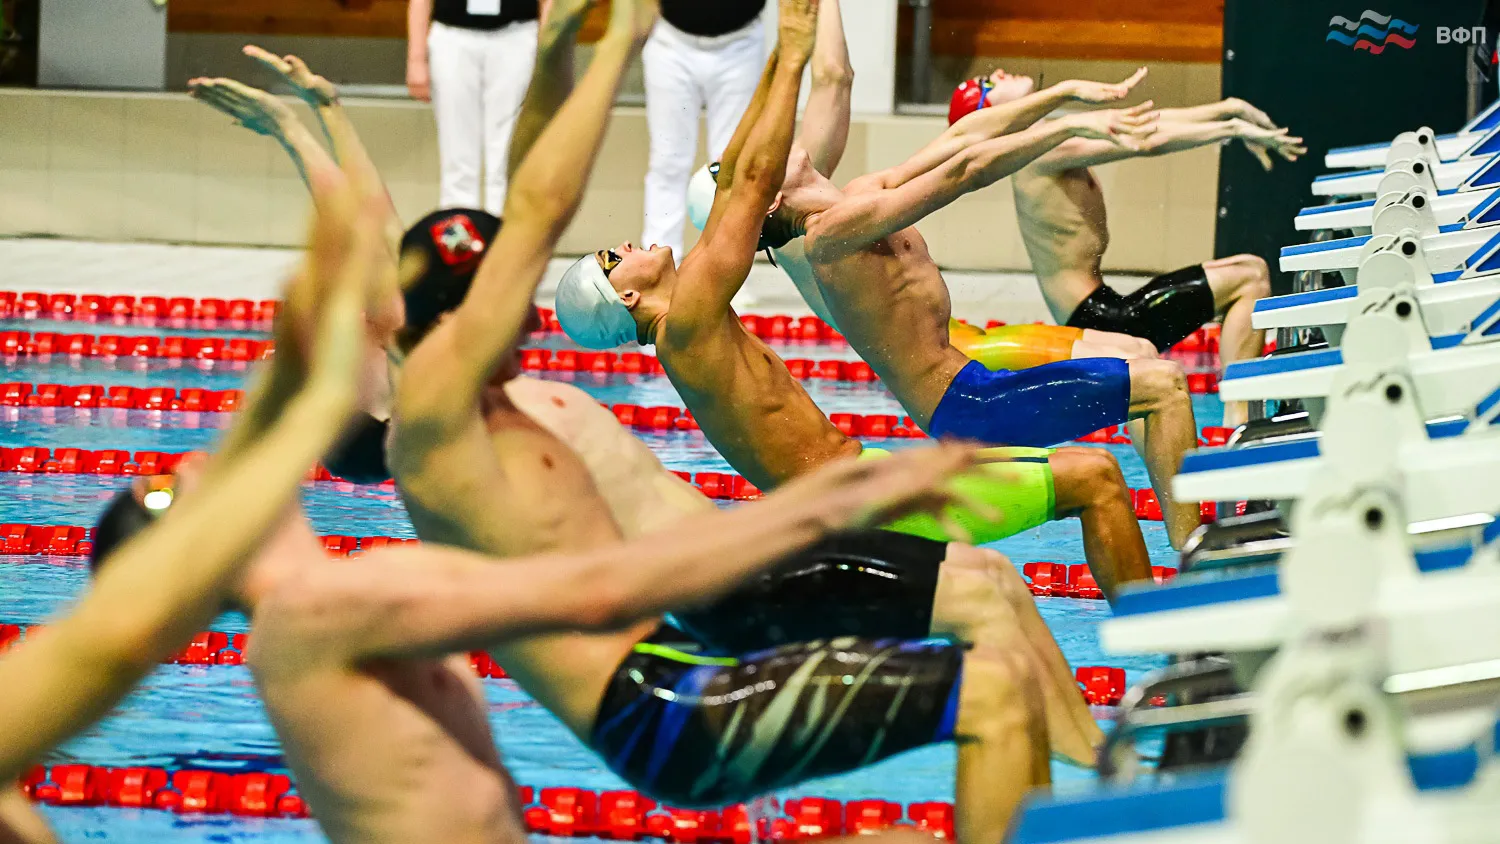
x=702, y=54
x=472, y=59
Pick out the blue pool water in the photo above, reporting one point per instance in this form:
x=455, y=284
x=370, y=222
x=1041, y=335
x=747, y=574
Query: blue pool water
x=210, y=717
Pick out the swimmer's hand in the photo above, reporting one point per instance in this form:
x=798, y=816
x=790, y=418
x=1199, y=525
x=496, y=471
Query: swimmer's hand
x=855, y=494
x=1127, y=127
x=1263, y=142
x=310, y=87
x=635, y=18
x=1085, y=91
x=252, y=108
x=1234, y=107
x=799, y=26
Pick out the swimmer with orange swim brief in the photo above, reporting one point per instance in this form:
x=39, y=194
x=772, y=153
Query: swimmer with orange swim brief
x=1060, y=208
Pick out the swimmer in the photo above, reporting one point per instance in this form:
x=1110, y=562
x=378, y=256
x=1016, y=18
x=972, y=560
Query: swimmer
x=770, y=430
x=362, y=663
x=874, y=276
x=951, y=589
x=761, y=419
x=1061, y=210
x=479, y=474
x=825, y=135
x=169, y=581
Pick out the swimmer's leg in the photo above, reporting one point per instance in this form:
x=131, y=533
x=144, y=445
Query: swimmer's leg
x=1112, y=344
x=982, y=600
x=1159, y=396
x=1088, y=484
x=1002, y=743
x=1238, y=283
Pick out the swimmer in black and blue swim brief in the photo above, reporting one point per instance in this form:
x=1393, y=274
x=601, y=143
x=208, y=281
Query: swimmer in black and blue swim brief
x=707, y=731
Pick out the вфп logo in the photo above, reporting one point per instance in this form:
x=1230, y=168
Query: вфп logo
x=1373, y=32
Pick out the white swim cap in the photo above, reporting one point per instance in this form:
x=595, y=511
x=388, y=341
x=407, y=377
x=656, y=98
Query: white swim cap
x=701, y=192
x=589, y=309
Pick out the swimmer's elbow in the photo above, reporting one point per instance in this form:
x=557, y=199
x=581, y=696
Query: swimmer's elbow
x=832, y=74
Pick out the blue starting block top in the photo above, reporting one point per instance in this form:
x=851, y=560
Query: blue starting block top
x=1186, y=802
x=1277, y=364
x=1311, y=297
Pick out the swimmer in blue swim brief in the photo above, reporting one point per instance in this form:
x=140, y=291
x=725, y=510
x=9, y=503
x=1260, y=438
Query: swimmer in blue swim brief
x=870, y=269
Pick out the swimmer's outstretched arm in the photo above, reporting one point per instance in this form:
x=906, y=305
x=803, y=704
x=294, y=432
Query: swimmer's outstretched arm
x=994, y=122
x=870, y=212
x=453, y=363
x=730, y=158
x=1176, y=134
x=432, y=600
x=170, y=580
x=551, y=81
x=718, y=266
x=825, y=120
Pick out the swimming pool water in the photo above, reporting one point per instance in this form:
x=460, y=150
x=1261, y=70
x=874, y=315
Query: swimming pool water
x=210, y=717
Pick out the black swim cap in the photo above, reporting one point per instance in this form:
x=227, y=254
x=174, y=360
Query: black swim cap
x=125, y=517
x=361, y=459
x=452, y=242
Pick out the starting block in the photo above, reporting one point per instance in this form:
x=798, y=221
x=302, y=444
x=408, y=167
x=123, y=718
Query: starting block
x=1448, y=147
x=1445, y=256
x=1462, y=175
x=1468, y=210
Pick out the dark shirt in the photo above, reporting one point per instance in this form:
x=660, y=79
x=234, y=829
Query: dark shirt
x=710, y=18
x=456, y=13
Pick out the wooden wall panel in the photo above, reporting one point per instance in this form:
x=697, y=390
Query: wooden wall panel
x=1136, y=30
x=359, y=18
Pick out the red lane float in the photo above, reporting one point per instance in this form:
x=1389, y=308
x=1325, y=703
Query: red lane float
x=238, y=314
x=558, y=811
x=215, y=648
x=46, y=344
x=91, y=396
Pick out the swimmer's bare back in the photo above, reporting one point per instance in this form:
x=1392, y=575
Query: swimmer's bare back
x=1065, y=227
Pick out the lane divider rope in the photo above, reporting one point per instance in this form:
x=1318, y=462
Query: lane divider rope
x=182, y=311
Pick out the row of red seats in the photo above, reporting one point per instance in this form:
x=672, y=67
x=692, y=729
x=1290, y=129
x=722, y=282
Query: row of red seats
x=14, y=394
x=184, y=791
x=238, y=313
x=46, y=344
x=1058, y=580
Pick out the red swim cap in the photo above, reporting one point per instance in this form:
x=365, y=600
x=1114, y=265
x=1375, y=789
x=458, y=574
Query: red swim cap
x=968, y=97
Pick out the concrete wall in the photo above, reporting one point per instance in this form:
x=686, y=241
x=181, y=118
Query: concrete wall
x=159, y=167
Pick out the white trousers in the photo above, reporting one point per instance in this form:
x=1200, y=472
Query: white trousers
x=684, y=75
x=479, y=80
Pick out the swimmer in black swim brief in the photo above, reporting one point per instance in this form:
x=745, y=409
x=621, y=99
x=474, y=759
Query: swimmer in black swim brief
x=1061, y=211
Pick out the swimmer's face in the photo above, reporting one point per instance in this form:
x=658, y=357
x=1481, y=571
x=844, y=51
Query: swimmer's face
x=631, y=269
x=1006, y=88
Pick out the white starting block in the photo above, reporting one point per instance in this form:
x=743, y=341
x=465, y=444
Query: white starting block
x=1447, y=304
x=1442, y=211
x=1375, y=721
x=1448, y=147
x=1447, y=254
x=1452, y=373
x=1464, y=174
